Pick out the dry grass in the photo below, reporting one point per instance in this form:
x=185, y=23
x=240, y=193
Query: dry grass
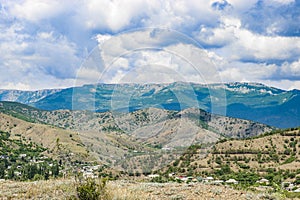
x=51, y=189
x=44, y=135
x=126, y=190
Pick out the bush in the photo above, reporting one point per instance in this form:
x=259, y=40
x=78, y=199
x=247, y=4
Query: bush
x=91, y=190
x=38, y=177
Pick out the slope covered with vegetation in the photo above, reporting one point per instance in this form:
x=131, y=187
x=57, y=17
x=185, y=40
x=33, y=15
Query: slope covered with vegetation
x=274, y=156
x=21, y=159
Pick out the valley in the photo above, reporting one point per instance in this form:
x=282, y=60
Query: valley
x=155, y=144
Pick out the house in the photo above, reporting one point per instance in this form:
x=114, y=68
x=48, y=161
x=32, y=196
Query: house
x=208, y=179
x=153, y=175
x=232, y=181
x=217, y=182
x=166, y=149
x=4, y=157
x=96, y=167
x=89, y=175
x=290, y=187
x=23, y=155
x=17, y=173
x=182, y=178
x=263, y=181
x=297, y=190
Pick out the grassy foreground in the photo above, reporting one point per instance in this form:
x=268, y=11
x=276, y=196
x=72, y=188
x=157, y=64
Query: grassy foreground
x=127, y=190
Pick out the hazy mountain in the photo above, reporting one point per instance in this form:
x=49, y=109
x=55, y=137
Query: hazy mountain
x=26, y=97
x=252, y=101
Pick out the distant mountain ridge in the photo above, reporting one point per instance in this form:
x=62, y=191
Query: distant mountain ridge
x=26, y=97
x=252, y=101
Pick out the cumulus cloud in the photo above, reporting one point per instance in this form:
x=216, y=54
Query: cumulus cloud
x=27, y=58
x=167, y=51
x=290, y=70
x=244, y=40
x=36, y=10
x=241, y=44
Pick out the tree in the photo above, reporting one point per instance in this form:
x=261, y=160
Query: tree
x=11, y=173
x=2, y=169
x=55, y=170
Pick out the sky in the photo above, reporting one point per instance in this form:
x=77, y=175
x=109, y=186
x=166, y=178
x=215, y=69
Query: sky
x=59, y=44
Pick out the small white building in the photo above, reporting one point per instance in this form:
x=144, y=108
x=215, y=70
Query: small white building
x=232, y=181
x=153, y=175
x=297, y=190
x=96, y=167
x=217, y=182
x=89, y=175
x=23, y=155
x=290, y=187
x=263, y=181
x=208, y=179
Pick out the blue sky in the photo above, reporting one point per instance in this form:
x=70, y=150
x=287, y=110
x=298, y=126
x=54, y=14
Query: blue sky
x=55, y=44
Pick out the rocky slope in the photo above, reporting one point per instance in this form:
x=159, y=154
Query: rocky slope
x=61, y=143
x=148, y=138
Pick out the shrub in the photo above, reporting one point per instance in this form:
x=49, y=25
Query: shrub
x=38, y=177
x=91, y=190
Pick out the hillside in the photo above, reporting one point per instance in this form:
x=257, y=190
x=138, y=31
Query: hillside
x=133, y=123
x=61, y=143
x=252, y=101
x=274, y=156
x=148, y=139
x=21, y=159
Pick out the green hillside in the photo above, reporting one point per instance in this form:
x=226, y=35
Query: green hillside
x=21, y=159
x=274, y=156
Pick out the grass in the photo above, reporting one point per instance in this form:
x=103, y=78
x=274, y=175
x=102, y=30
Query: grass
x=124, y=190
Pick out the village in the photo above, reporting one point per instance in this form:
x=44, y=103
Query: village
x=262, y=184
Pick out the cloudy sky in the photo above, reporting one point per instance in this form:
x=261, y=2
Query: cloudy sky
x=55, y=44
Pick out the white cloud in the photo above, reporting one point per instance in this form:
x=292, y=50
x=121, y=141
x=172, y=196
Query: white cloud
x=169, y=52
x=241, y=44
x=283, y=84
x=36, y=10
x=291, y=69
x=47, y=39
x=238, y=71
x=30, y=61
x=113, y=15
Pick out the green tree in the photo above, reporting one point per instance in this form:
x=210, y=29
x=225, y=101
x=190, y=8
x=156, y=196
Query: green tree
x=2, y=169
x=55, y=170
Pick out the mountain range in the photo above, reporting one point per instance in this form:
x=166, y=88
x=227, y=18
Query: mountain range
x=188, y=141
x=172, y=128
x=251, y=101
x=146, y=135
